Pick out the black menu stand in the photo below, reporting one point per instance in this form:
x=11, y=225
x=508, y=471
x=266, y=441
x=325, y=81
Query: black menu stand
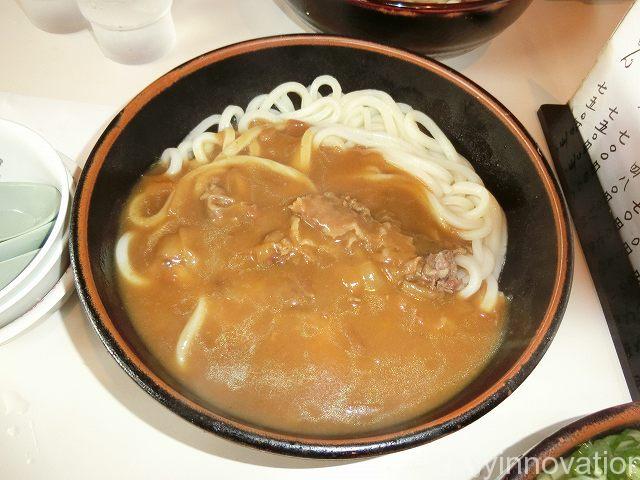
x=613, y=276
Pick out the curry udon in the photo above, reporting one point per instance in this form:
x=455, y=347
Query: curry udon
x=326, y=268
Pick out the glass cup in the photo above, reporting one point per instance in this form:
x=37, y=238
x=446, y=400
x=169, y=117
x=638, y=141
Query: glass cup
x=131, y=31
x=54, y=16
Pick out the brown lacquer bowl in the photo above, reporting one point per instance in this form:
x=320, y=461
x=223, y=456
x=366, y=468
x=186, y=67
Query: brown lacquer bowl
x=566, y=440
x=537, y=274
x=441, y=29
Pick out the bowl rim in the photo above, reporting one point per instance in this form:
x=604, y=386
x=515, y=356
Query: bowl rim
x=402, y=7
x=299, y=445
x=566, y=439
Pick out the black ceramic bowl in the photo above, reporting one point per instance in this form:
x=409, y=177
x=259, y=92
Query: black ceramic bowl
x=439, y=29
x=566, y=440
x=538, y=265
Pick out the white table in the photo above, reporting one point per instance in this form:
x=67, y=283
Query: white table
x=81, y=416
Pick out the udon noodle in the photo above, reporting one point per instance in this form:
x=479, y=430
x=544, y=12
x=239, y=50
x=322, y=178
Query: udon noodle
x=407, y=138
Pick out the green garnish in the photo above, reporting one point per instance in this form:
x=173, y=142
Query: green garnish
x=615, y=457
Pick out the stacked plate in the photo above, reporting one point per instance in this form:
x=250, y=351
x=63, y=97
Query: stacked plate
x=35, y=204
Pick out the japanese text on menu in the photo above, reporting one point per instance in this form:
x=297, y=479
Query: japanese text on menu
x=607, y=111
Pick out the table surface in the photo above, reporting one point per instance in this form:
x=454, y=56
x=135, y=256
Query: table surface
x=69, y=410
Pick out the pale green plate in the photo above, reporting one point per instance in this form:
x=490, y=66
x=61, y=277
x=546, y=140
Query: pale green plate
x=32, y=240
x=25, y=207
x=10, y=269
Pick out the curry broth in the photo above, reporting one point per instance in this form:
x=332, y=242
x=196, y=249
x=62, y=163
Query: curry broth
x=322, y=344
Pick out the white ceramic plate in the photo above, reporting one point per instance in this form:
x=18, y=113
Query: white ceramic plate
x=60, y=292
x=27, y=157
x=51, y=302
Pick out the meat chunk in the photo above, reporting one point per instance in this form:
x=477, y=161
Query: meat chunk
x=276, y=248
x=217, y=200
x=283, y=250
x=437, y=271
x=351, y=225
x=356, y=206
x=333, y=215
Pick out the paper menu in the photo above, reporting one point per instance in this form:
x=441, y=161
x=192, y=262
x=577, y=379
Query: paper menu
x=606, y=108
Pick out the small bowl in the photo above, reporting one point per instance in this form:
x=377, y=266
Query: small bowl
x=566, y=440
x=537, y=271
x=436, y=29
x=27, y=157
